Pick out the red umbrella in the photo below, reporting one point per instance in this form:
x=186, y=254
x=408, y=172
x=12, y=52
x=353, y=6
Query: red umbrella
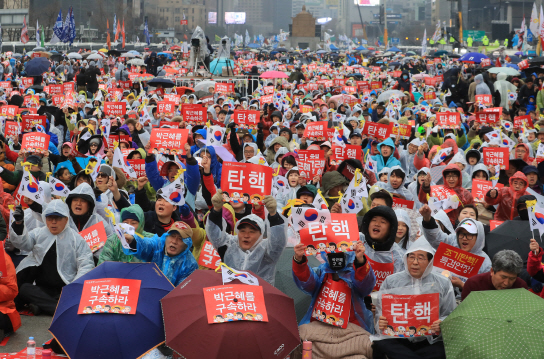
x=274, y=75
x=188, y=332
x=184, y=89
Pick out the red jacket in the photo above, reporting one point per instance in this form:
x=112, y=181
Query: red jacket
x=534, y=265
x=507, y=199
x=8, y=292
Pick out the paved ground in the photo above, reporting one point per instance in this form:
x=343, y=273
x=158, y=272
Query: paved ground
x=31, y=327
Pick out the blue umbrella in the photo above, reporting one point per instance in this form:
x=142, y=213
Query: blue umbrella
x=360, y=48
x=37, y=66
x=169, y=56
x=475, y=57
x=254, y=45
x=121, y=336
x=216, y=66
x=333, y=48
x=514, y=66
x=165, y=83
x=394, y=49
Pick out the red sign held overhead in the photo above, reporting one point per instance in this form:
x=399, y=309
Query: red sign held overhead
x=246, y=118
x=30, y=121
x=496, y=156
x=224, y=88
x=195, y=115
x=341, y=153
x=168, y=140
x=109, y=296
x=245, y=182
x=448, y=119
x=526, y=120
x=209, y=257
x=484, y=99
x=95, y=236
x=488, y=117
x=266, y=99
x=9, y=111
x=318, y=131
x=172, y=97
x=11, y=129
x=166, y=107
x=35, y=142
x=115, y=108
x=310, y=163
x=27, y=81
x=481, y=187
x=139, y=167
x=378, y=130
x=457, y=261
x=402, y=203
x=68, y=87
x=342, y=232
x=374, y=85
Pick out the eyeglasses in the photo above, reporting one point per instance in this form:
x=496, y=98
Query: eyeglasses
x=103, y=175
x=421, y=258
x=468, y=236
x=451, y=176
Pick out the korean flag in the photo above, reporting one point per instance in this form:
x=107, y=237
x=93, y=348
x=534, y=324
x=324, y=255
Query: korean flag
x=58, y=188
x=214, y=136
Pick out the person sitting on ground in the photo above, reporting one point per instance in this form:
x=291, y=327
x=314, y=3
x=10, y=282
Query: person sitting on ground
x=10, y=320
x=58, y=256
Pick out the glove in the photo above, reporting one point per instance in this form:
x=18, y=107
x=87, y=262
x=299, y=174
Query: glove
x=217, y=199
x=270, y=204
x=18, y=214
x=185, y=210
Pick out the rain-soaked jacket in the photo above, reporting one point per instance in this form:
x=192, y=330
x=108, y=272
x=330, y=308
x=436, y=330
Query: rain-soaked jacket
x=464, y=196
x=507, y=199
x=176, y=268
x=440, y=284
x=86, y=192
x=401, y=190
x=113, y=249
x=391, y=161
x=261, y=259
x=360, y=287
x=74, y=257
x=382, y=252
x=414, y=188
x=435, y=236
x=405, y=243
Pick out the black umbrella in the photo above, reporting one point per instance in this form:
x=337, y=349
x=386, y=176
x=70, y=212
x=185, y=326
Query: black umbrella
x=57, y=57
x=281, y=49
x=537, y=61
x=165, y=83
x=114, y=53
x=515, y=235
x=284, y=281
x=358, y=75
x=37, y=66
x=37, y=88
x=514, y=59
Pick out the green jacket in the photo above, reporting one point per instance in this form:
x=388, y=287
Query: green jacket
x=14, y=177
x=469, y=42
x=439, y=140
x=539, y=100
x=485, y=41
x=113, y=249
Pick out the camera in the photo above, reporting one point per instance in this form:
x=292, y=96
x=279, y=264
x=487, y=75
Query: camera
x=195, y=42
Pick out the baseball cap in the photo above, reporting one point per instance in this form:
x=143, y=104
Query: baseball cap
x=251, y=222
x=182, y=228
x=469, y=226
x=55, y=214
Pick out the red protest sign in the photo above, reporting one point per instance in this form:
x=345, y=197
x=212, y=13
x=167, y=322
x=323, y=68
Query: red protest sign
x=35, y=142
x=404, y=131
x=234, y=302
x=95, y=236
x=224, y=88
x=5, y=84
x=410, y=315
x=333, y=304
x=494, y=224
x=484, y=99
x=480, y=188
x=342, y=232
x=402, y=203
x=109, y=295
x=339, y=82
x=246, y=118
x=340, y=153
x=306, y=109
x=27, y=81
x=378, y=130
x=526, y=120
x=318, y=131
x=30, y=121
x=376, y=69
x=268, y=90
x=9, y=111
x=115, y=108
x=125, y=85
x=496, y=156
x=11, y=129
x=168, y=140
x=440, y=192
x=118, y=138
x=266, y=99
x=457, y=261
x=172, y=97
x=209, y=257
x=381, y=271
x=490, y=117
x=55, y=89
x=167, y=107
x=485, y=62
x=363, y=85
x=311, y=163
x=68, y=87
x=349, y=89
x=429, y=95
x=115, y=93
x=374, y=85
x=139, y=167
x=194, y=115
x=57, y=100
x=245, y=182
x=430, y=81
x=448, y=119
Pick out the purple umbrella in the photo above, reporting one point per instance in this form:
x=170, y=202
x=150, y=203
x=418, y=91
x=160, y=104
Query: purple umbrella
x=475, y=57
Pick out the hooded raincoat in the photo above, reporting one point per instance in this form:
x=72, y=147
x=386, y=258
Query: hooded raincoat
x=414, y=188
x=288, y=193
x=74, y=257
x=389, y=162
x=261, y=259
x=405, y=243
x=86, y=192
x=507, y=198
x=401, y=190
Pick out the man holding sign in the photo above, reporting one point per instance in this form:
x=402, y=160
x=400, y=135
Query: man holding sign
x=423, y=316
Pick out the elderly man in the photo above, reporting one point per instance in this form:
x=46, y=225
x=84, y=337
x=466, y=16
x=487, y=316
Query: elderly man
x=504, y=274
x=58, y=256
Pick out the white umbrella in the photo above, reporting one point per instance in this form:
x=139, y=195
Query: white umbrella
x=204, y=85
x=137, y=62
x=384, y=96
x=74, y=55
x=506, y=70
x=127, y=55
x=94, y=57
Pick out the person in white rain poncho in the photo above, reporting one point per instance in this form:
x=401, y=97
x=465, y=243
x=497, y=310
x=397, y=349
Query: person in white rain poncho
x=395, y=183
x=415, y=186
x=504, y=86
x=248, y=250
x=417, y=277
x=404, y=230
x=469, y=236
x=58, y=256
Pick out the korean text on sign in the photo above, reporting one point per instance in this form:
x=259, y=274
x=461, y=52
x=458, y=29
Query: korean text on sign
x=115, y=108
x=317, y=131
x=410, y=315
x=338, y=236
x=95, y=236
x=246, y=119
x=333, y=304
x=209, y=257
x=457, y=261
x=224, y=88
x=245, y=182
x=109, y=296
x=167, y=107
x=194, y=115
x=138, y=166
x=496, y=157
x=35, y=142
x=168, y=140
x=235, y=302
x=341, y=153
x=488, y=117
x=310, y=163
x=377, y=130
x=481, y=187
x=30, y=121
x=448, y=119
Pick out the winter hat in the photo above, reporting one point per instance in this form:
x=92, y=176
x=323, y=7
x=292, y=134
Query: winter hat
x=129, y=215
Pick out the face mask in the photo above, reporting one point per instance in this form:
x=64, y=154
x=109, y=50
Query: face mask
x=337, y=261
x=404, y=77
